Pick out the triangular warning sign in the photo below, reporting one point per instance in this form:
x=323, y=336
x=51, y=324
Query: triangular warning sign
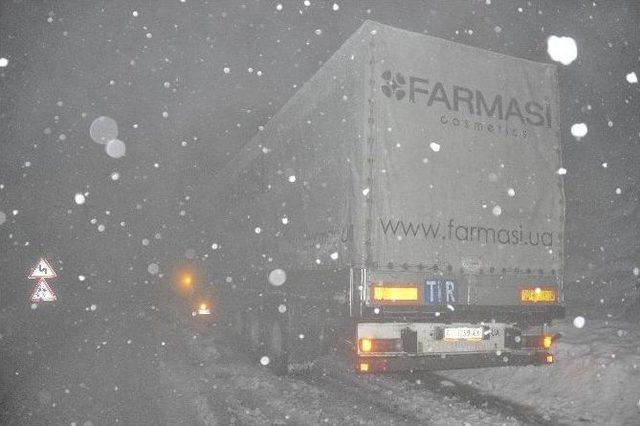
x=42, y=270
x=42, y=292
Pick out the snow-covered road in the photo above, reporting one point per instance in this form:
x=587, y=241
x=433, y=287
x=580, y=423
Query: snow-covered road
x=137, y=363
x=223, y=385
x=174, y=373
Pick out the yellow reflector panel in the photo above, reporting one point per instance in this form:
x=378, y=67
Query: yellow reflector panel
x=538, y=295
x=393, y=294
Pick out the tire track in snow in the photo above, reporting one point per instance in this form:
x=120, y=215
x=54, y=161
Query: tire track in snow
x=250, y=394
x=412, y=404
x=369, y=399
x=434, y=382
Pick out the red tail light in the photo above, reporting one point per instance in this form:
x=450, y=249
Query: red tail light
x=368, y=345
x=540, y=341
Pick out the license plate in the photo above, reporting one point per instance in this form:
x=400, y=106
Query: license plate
x=463, y=333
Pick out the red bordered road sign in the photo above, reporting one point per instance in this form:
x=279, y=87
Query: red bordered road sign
x=43, y=293
x=42, y=270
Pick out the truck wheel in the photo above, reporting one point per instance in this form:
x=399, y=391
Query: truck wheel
x=278, y=347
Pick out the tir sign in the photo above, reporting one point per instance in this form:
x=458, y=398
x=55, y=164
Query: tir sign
x=439, y=292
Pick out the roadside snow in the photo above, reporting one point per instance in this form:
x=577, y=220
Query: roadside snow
x=596, y=377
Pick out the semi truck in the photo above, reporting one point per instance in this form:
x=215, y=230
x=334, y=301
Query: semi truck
x=407, y=203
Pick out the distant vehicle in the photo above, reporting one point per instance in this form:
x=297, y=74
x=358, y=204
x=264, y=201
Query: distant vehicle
x=192, y=289
x=408, y=200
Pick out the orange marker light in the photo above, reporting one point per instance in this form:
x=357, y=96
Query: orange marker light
x=529, y=295
x=547, y=341
x=395, y=294
x=364, y=367
x=549, y=359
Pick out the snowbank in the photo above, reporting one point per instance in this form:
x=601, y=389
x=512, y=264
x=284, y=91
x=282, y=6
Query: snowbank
x=596, y=377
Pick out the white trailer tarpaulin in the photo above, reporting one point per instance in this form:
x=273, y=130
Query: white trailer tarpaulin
x=404, y=153
x=466, y=157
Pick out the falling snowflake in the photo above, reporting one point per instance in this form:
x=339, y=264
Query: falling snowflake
x=277, y=277
x=562, y=49
x=103, y=129
x=579, y=130
x=115, y=148
x=153, y=268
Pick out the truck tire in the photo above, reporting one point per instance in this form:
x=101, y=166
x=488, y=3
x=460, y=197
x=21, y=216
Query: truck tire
x=278, y=347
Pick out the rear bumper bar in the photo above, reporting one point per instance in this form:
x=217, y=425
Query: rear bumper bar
x=390, y=364
x=466, y=313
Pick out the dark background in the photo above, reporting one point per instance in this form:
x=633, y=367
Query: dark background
x=73, y=61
